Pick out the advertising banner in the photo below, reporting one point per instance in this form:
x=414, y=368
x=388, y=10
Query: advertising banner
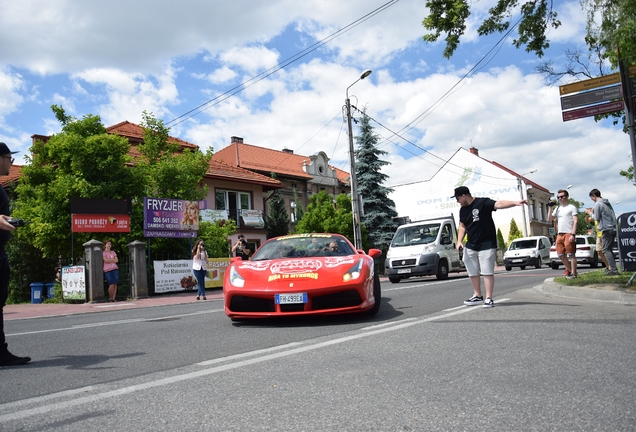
x=213, y=215
x=627, y=241
x=100, y=223
x=253, y=218
x=73, y=283
x=165, y=217
x=177, y=275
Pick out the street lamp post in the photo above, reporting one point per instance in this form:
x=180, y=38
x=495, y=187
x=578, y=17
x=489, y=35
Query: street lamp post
x=355, y=200
x=521, y=186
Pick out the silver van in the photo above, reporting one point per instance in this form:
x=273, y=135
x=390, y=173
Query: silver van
x=527, y=251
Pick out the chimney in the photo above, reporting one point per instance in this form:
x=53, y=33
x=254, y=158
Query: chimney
x=474, y=151
x=286, y=150
x=236, y=139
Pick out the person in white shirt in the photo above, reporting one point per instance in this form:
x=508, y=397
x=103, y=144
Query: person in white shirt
x=567, y=216
x=200, y=267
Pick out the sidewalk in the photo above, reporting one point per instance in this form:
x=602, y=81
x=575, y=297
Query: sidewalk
x=24, y=311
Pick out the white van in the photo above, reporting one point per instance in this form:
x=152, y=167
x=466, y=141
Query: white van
x=527, y=251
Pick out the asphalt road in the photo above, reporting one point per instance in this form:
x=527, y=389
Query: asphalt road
x=425, y=362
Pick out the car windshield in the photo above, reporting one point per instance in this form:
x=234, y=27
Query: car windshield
x=415, y=235
x=523, y=244
x=302, y=246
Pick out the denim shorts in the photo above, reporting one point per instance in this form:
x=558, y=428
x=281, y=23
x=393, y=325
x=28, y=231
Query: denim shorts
x=112, y=276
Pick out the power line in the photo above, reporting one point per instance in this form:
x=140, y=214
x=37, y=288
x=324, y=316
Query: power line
x=290, y=60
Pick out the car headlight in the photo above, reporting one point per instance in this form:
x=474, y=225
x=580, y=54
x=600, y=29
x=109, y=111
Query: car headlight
x=354, y=272
x=429, y=248
x=235, y=278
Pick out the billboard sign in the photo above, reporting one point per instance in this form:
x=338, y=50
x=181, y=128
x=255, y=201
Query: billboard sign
x=73, y=283
x=175, y=218
x=100, y=223
x=177, y=275
x=627, y=241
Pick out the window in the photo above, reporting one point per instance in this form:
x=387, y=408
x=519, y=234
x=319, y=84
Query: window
x=233, y=202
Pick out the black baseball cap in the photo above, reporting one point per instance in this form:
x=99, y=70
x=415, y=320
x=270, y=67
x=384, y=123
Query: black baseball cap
x=5, y=150
x=462, y=190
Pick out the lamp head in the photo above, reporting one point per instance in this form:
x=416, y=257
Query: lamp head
x=365, y=74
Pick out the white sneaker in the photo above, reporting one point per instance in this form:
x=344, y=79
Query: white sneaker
x=488, y=303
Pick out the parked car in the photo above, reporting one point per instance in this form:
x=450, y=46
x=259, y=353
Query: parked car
x=303, y=274
x=585, y=252
x=527, y=251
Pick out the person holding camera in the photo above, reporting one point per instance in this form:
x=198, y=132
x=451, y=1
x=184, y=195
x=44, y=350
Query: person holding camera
x=200, y=267
x=242, y=248
x=567, y=217
x=6, y=160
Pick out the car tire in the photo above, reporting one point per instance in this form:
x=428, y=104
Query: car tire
x=555, y=266
x=377, y=294
x=522, y=267
x=539, y=263
x=508, y=268
x=594, y=262
x=442, y=270
x=394, y=279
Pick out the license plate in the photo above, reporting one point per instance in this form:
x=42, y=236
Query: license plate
x=517, y=260
x=290, y=298
x=400, y=271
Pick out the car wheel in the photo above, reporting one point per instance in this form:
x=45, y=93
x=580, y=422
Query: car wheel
x=508, y=268
x=594, y=262
x=539, y=263
x=442, y=270
x=555, y=266
x=377, y=293
x=394, y=279
x=522, y=267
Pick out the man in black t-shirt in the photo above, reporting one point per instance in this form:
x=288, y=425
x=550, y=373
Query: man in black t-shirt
x=475, y=218
x=6, y=160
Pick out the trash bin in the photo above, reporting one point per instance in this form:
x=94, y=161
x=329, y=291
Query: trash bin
x=49, y=290
x=36, y=292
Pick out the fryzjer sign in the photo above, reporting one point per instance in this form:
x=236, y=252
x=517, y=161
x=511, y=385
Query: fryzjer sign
x=166, y=217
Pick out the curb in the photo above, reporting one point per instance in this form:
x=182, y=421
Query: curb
x=584, y=293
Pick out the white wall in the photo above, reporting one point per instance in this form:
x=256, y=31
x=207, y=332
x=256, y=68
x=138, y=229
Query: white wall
x=429, y=199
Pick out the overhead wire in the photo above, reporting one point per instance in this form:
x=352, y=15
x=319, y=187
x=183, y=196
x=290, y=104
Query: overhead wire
x=266, y=73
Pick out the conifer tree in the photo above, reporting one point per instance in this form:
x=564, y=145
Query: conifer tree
x=514, y=231
x=379, y=209
x=277, y=217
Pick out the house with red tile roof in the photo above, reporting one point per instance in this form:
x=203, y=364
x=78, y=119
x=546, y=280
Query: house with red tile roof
x=300, y=176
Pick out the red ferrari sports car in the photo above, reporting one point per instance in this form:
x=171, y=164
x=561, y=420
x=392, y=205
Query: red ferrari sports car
x=302, y=274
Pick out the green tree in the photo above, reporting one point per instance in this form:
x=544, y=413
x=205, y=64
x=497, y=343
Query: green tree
x=84, y=161
x=298, y=209
x=215, y=236
x=277, y=218
x=514, y=233
x=379, y=210
x=500, y=241
x=323, y=216
x=611, y=24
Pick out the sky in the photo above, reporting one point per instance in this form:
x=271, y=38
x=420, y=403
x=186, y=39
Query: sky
x=276, y=73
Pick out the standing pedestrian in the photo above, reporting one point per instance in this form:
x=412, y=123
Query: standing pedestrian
x=589, y=218
x=200, y=267
x=111, y=270
x=567, y=217
x=606, y=218
x=6, y=160
x=242, y=248
x=475, y=218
